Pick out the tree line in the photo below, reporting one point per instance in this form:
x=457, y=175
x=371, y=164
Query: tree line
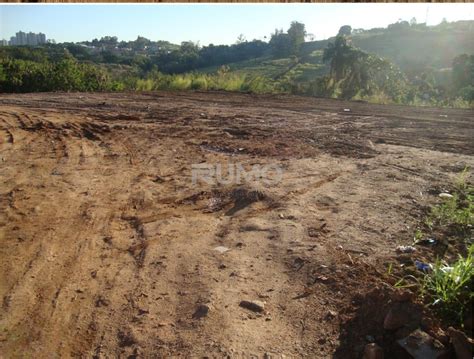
x=352, y=72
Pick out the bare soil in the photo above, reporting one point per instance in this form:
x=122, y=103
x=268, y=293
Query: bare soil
x=108, y=249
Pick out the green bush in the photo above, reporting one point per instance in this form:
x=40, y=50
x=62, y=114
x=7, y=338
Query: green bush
x=65, y=75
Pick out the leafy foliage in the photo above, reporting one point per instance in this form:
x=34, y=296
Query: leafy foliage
x=354, y=72
x=64, y=75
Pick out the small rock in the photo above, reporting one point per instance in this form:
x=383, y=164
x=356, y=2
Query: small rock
x=402, y=296
x=373, y=351
x=421, y=345
x=331, y=314
x=201, y=311
x=463, y=346
x=254, y=305
x=126, y=339
x=142, y=311
x=406, y=249
x=102, y=302
x=401, y=314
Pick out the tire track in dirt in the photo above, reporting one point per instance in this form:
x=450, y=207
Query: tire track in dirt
x=109, y=248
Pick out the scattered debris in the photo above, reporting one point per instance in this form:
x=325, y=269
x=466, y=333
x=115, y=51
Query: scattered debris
x=406, y=249
x=420, y=345
x=254, y=306
x=445, y=195
x=221, y=249
x=424, y=267
x=427, y=241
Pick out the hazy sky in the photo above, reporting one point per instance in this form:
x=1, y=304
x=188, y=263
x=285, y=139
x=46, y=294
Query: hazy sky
x=211, y=23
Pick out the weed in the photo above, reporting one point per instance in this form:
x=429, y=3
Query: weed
x=448, y=288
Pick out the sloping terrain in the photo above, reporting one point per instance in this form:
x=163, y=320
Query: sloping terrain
x=108, y=248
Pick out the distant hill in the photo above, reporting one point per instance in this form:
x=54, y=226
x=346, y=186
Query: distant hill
x=411, y=47
x=407, y=45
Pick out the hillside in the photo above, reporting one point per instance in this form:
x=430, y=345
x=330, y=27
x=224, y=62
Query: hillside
x=410, y=47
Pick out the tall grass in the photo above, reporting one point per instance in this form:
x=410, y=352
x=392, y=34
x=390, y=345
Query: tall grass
x=198, y=81
x=255, y=82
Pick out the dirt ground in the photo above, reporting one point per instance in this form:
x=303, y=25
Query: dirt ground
x=108, y=248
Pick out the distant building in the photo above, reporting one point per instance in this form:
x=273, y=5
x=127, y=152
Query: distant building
x=21, y=38
x=41, y=38
x=3, y=43
x=29, y=39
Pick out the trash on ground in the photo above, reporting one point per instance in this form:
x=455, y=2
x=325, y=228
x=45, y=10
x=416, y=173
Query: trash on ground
x=347, y=110
x=427, y=241
x=221, y=249
x=406, y=249
x=445, y=195
x=424, y=267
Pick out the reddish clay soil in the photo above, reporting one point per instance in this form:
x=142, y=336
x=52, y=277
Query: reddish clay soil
x=108, y=249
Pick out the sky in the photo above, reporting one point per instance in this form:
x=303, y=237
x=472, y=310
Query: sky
x=212, y=23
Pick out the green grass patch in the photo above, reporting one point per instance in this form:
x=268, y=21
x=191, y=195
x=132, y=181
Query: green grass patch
x=455, y=214
x=449, y=288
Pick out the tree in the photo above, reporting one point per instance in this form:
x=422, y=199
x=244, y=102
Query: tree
x=296, y=34
x=140, y=43
x=463, y=76
x=345, y=30
x=339, y=56
x=353, y=71
x=463, y=71
x=280, y=43
x=241, y=39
